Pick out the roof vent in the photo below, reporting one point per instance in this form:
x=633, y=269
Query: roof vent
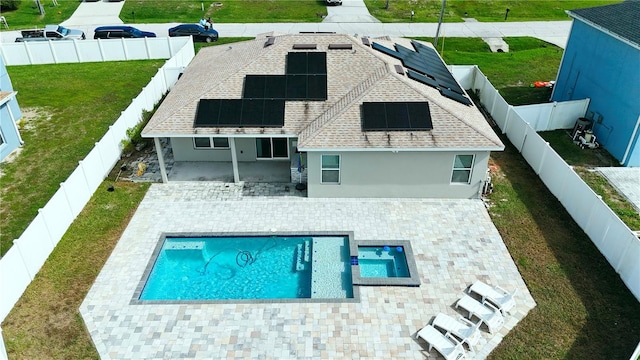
x=340, y=46
x=305, y=46
x=365, y=41
x=269, y=41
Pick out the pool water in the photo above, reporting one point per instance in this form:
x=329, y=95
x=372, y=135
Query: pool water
x=256, y=267
x=382, y=261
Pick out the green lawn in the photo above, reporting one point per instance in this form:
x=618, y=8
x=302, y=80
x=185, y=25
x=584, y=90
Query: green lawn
x=584, y=310
x=263, y=11
x=481, y=10
x=27, y=15
x=236, y=11
x=66, y=108
x=583, y=162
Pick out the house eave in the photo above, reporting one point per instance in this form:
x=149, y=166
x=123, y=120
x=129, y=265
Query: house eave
x=603, y=29
x=397, y=150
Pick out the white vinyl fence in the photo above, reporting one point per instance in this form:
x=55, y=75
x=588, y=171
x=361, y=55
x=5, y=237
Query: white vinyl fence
x=619, y=245
x=29, y=252
x=553, y=116
x=75, y=51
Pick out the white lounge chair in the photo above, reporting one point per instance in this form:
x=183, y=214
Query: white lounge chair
x=465, y=330
x=498, y=296
x=445, y=344
x=489, y=314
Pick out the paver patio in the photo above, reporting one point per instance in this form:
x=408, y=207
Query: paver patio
x=454, y=243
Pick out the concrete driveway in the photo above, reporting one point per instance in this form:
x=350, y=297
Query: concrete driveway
x=96, y=13
x=351, y=11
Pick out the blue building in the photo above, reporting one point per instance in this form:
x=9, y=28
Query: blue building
x=602, y=62
x=10, y=114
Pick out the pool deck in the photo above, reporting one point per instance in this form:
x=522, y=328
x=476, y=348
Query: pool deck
x=454, y=243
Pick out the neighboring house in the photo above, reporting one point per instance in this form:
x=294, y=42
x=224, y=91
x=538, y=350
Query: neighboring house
x=342, y=114
x=602, y=62
x=9, y=115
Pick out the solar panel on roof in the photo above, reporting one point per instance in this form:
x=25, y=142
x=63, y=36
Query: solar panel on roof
x=207, y=112
x=394, y=116
x=239, y=113
x=252, y=112
x=397, y=116
x=317, y=87
x=273, y=113
x=386, y=50
x=254, y=86
x=426, y=66
x=296, y=87
x=317, y=63
x=455, y=96
x=422, y=78
x=420, y=116
x=230, y=112
x=373, y=116
x=296, y=63
x=275, y=87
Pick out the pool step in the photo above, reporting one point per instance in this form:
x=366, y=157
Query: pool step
x=329, y=266
x=303, y=256
x=185, y=245
x=185, y=249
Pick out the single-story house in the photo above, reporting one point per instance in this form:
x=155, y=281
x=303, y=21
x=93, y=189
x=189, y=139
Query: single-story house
x=10, y=114
x=602, y=62
x=346, y=116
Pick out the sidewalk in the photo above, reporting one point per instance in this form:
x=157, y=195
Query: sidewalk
x=352, y=17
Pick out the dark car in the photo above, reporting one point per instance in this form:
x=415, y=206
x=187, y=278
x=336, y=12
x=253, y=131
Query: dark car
x=118, y=32
x=198, y=32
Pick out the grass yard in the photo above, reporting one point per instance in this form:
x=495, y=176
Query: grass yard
x=53, y=328
x=66, y=109
x=583, y=162
x=236, y=11
x=584, y=310
x=481, y=10
x=27, y=15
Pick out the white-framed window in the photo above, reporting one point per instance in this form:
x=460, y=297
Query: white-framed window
x=330, y=168
x=272, y=148
x=210, y=143
x=1, y=139
x=462, y=166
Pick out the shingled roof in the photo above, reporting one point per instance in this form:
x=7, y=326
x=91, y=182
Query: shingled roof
x=620, y=19
x=354, y=76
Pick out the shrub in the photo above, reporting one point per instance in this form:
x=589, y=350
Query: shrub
x=7, y=5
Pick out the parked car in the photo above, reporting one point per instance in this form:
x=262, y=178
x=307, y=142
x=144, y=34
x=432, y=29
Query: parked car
x=334, y=2
x=51, y=32
x=198, y=32
x=118, y=32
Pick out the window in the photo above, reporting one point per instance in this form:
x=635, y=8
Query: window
x=206, y=143
x=330, y=169
x=1, y=139
x=462, y=166
x=272, y=148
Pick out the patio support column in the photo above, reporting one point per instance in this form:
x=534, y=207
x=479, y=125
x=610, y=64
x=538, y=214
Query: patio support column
x=163, y=171
x=234, y=160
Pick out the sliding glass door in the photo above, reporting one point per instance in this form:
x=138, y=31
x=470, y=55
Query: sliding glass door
x=272, y=148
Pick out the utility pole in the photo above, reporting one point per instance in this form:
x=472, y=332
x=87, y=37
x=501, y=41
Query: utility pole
x=435, y=41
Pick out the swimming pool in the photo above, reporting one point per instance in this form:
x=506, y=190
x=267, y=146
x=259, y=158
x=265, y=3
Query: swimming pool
x=188, y=268
x=382, y=261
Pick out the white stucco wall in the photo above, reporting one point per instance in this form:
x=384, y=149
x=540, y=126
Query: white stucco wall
x=401, y=174
x=183, y=150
